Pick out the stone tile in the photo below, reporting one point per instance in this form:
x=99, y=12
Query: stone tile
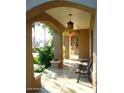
x=64, y=80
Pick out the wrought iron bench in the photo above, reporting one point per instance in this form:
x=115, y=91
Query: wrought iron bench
x=84, y=69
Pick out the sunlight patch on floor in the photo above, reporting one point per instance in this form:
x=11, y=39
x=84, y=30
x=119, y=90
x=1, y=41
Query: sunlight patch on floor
x=64, y=80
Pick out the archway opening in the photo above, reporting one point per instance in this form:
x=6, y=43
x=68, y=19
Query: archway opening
x=42, y=46
x=71, y=44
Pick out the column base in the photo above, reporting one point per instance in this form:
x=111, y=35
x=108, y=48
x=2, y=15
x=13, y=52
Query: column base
x=60, y=66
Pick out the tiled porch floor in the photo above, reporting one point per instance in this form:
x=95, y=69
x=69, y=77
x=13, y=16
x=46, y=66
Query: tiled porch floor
x=64, y=80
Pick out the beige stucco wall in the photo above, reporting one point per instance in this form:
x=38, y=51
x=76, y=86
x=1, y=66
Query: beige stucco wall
x=91, y=43
x=95, y=54
x=84, y=43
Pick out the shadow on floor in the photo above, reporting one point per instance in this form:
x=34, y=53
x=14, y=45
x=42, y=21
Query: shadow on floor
x=86, y=85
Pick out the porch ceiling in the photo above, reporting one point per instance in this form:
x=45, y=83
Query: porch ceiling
x=80, y=18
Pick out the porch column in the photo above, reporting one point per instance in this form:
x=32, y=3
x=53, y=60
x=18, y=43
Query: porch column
x=57, y=46
x=30, y=80
x=61, y=51
x=67, y=56
x=29, y=62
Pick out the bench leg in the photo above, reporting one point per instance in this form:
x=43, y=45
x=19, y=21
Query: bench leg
x=79, y=77
x=89, y=77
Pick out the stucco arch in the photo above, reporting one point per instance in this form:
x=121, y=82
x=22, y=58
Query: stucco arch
x=44, y=17
x=52, y=4
x=30, y=79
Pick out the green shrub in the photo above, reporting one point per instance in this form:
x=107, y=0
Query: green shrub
x=36, y=60
x=46, y=54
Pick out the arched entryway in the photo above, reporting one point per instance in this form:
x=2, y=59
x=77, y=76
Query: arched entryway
x=38, y=14
x=31, y=81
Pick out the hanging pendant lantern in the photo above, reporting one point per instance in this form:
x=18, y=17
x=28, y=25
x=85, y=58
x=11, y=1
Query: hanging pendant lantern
x=70, y=23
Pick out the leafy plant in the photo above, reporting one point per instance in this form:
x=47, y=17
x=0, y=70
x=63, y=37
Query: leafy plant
x=46, y=54
x=36, y=60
